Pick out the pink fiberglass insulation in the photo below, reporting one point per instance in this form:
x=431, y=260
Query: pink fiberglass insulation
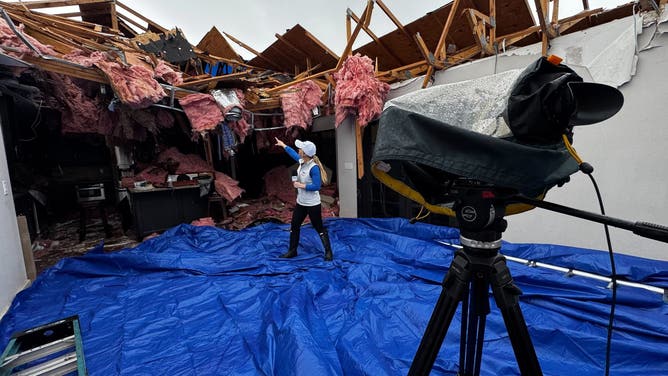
x=358, y=91
x=79, y=57
x=9, y=39
x=227, y=187
x=134, y=85
x=241, y=127
x=80, y=113
x=208, y=221
x=167, y=74
x=188, y=163
x=153, y=175
x=298, y=101
x=202, y=110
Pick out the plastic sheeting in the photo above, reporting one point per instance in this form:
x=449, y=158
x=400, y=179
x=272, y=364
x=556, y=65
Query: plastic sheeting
x=204, y=301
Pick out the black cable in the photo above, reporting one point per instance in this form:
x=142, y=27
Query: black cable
x=613, y=277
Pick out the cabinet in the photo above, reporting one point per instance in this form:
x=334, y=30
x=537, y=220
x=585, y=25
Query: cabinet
x=159, y=209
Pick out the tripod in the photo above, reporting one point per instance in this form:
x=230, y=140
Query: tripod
x=473, y=270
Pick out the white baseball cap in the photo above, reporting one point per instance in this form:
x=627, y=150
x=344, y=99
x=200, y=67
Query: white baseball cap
x=307, y=147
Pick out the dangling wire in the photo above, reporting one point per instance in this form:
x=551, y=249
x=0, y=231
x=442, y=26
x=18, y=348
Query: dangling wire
x=419, y=216
x=587, y=169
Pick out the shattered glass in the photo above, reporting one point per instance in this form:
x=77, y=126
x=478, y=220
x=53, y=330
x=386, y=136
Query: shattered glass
x=476, y=105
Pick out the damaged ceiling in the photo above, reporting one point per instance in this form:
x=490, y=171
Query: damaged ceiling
x=452, y=34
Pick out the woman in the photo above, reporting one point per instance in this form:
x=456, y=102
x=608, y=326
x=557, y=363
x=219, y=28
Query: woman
x=310, y=176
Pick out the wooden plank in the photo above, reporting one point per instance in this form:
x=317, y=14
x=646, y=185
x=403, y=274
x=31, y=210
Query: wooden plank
x=394, y=19
x=26, y=247
x=55, y=4
x=249, y=49
x=441, y=42
x=360, y=149
x=134, y=13
x=133, y=22
x=215, y=79
x=292, y=46
x=113, y=15
x=366, y=16
x=55, y=66
x=492, y=22
x=61, y=23
x=543, y=27
x=287, y=85
x=426, y=54
x=59, y=44
x=322, y=45
x=376, y=39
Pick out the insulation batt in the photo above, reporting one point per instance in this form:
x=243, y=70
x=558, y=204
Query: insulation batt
x=298, y=101
x=80, y=114
x=188, y=163
x=358, y=91
x=9, y=39
x=227, y=187
x=202, y=111
x=167, y=74
x=134, y=85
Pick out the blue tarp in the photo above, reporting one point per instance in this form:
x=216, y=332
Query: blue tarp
x=205, y=301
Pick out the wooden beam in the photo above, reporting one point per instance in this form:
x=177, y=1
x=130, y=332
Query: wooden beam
x=292, y=46
x=214, y=59
x=285, y=86
x=134, y=13
x=366, y=16
x=426, y=54
x=348, y=26
x=133, y=22
x=99, y=12
x=394, y=19
x=543, y=27
x=90, y=74
x=59, y=22
x=322, y=45
x=492, y=23
x=113, y=15
x=249, y=49
x=375, y=38
x=54, y=4
x=585, y=4
x=441, y=42
x=569, y=22
x=216, y=79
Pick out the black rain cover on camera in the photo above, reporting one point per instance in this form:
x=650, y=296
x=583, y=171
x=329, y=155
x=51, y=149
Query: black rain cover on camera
x=548, y=99
x=406, y=139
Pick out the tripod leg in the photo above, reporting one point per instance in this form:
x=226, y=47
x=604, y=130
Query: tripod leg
x=506, y=295
x=455, y=284
x=477, y=317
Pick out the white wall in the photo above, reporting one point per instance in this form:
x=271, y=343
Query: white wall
x=630, y=155
x=346, y=160
x=628, y=151
x=12, y=269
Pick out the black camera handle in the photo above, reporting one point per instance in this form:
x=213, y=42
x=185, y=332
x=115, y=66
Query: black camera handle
x=644, y=229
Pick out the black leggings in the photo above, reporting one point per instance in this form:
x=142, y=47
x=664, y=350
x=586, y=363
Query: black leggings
x=300, y=214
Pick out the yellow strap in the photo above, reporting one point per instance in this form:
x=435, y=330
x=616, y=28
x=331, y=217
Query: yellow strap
x=571, y=150
x=408, y=192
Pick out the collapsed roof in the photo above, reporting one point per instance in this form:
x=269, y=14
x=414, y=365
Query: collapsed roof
x=452, y=34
